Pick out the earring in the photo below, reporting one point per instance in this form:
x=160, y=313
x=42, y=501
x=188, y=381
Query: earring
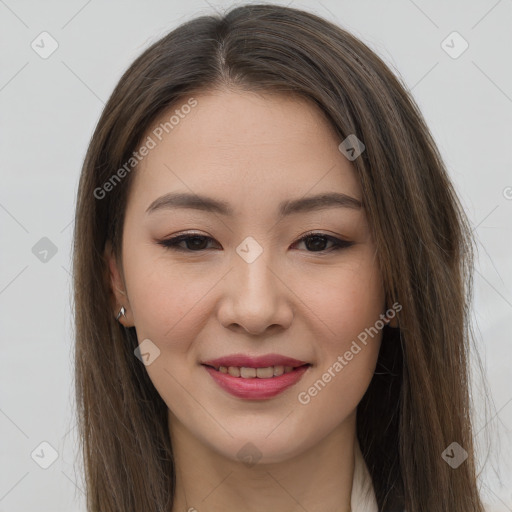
x=392, y=320
x=122, y=311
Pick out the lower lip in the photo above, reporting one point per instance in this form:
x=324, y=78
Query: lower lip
x=256, y=389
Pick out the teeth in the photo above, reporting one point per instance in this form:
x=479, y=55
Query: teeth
x=264, y=373
x=252, y=373
x=248, y=373
x=234, y=371
x=278, y=370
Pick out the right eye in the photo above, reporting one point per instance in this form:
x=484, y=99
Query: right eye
x=193, y=242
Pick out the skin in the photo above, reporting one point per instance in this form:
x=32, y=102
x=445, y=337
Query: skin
x=297, y=299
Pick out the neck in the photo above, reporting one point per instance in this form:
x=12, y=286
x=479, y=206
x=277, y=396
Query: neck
x=316, y=479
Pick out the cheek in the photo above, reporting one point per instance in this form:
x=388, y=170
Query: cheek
x=168, y=301
x=171, y=301
x=345, y=307
x=345, y=300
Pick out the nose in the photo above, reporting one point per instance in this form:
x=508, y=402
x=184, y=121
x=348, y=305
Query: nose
x=255, y=298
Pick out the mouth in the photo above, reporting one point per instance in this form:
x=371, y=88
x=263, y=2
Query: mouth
x=248, y=372
x=256, y=378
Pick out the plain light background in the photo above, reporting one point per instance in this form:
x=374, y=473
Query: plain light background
x=49, y=108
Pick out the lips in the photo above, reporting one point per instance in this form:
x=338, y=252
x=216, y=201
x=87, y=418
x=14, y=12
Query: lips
x=250, y=378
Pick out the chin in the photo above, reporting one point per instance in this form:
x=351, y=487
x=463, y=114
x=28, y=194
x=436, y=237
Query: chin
x=261, y=448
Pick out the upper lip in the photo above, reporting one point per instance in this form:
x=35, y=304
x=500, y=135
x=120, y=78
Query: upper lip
x=241, y=360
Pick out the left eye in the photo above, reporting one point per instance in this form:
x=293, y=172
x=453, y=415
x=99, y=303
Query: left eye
x=196, y=243
x=318, y=240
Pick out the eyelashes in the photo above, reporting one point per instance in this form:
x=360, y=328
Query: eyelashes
x=196, y=241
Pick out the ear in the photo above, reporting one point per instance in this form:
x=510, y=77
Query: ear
x=118, y=294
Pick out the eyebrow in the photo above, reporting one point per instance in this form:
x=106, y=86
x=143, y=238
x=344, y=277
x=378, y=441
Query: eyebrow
x=208, y=204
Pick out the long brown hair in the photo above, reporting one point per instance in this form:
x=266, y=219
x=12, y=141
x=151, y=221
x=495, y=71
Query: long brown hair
x=418, y=402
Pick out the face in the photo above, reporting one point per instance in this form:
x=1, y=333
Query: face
x=246, y=283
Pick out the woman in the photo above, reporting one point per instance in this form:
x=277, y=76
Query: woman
x=272, y=279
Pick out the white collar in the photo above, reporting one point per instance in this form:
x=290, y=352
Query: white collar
x=363, y=496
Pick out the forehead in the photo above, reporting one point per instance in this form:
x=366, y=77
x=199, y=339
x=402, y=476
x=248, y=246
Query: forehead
x=246, y=148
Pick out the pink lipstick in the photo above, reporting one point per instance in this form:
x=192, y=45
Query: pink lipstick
x=255, y=378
